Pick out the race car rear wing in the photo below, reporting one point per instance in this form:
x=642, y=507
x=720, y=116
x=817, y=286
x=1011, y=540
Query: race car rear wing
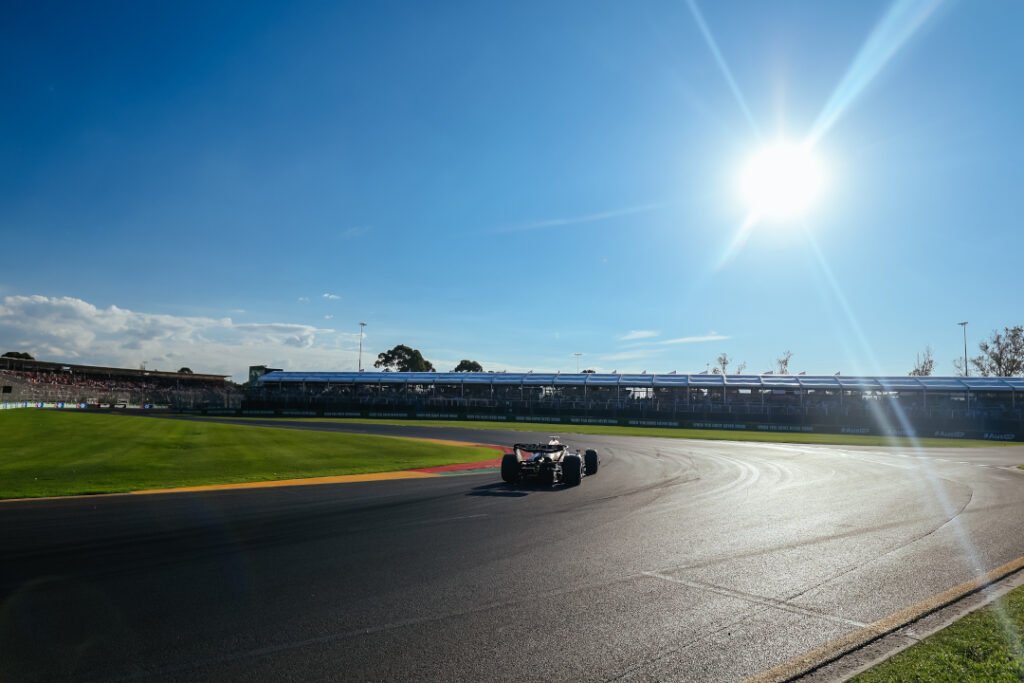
x=540, y=447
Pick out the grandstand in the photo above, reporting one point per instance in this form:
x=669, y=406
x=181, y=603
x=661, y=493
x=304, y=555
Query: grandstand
x=983, y=407
x=32, y=381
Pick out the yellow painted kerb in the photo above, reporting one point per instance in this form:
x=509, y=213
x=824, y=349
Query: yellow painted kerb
x=308, y=481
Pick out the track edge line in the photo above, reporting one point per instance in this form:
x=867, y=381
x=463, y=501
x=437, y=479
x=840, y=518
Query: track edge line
x=809, y=662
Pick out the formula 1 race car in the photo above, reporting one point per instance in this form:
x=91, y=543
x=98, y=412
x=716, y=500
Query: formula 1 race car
x=550, y=463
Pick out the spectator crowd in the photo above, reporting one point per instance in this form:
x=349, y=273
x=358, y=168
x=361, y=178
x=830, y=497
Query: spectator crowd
x=107, y=388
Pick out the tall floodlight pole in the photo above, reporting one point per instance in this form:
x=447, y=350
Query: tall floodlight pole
x=577, y=354
x=967, y=373
x=361, y=327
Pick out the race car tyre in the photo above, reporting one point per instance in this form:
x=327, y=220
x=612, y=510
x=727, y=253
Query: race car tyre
x=572, y=470
x=510, y=468
x=591, y=462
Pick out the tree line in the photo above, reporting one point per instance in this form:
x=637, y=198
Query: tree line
x=781, y=366
x=1001, y=355
x=404, y=358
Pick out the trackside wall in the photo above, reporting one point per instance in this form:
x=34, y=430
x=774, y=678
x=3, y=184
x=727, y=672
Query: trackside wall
x=959, y=429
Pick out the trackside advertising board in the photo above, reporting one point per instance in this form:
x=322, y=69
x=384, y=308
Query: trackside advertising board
x=59, y=405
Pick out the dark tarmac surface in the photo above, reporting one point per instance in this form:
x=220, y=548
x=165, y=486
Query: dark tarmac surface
x=681, y=560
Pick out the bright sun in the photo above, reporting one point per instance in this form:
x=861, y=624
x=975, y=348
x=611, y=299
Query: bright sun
x=781, y=181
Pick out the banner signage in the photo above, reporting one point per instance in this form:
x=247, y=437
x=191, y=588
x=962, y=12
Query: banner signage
x=718, y=425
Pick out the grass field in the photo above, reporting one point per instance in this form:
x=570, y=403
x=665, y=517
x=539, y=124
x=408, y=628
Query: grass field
x=51, y=453
x=673, y=432
x=984, y=646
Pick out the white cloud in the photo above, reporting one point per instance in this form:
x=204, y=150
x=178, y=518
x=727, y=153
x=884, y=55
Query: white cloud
x=66, y=329
x=353, y=232
x=584, y=218
x=696, y=340
x=638, y=354
x=633, y=335
x=303, y=299
x=328, y=317
x=331, y=297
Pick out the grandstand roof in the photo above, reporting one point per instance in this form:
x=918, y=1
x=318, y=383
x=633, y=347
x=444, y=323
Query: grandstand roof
x=51, y=366
x=817, y=382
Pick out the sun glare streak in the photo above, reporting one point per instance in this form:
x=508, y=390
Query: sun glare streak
x=722, y=65
x=954, y=517
x=866, y=353
x=738, y=240
x=897, y=422
x=900, y=23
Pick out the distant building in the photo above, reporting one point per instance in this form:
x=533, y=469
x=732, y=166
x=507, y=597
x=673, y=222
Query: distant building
x=257, y=371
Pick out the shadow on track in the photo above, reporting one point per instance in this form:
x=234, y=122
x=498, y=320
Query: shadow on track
x=503, y=490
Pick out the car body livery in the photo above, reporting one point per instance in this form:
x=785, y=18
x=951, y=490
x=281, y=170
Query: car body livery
x=550, y=463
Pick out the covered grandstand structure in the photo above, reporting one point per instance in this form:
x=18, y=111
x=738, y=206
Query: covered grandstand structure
x=25, y=382
x=984, y=407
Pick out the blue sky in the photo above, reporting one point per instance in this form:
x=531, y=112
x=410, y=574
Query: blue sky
x=224, y=184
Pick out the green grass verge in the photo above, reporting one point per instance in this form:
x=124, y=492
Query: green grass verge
x=666, y=432
x=50, y=453
x=983, y=646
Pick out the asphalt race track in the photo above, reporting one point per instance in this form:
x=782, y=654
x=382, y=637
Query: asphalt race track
x=681, y=560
